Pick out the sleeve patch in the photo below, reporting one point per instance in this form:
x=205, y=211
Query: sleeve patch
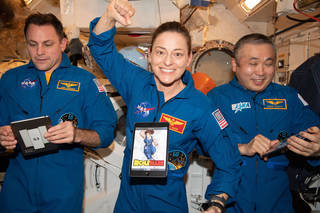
x=220, y=119
x=99, y=85
x=302, y=100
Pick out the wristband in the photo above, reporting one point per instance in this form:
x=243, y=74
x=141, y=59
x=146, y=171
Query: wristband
x=216, y=204
x=215, y=197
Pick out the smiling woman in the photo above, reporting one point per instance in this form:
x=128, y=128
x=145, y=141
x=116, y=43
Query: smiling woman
x=169, y=59
x=166, y=94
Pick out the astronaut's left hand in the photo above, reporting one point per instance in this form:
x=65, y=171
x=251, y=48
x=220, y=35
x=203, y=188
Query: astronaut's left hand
x=306, y=148
x=64, y=132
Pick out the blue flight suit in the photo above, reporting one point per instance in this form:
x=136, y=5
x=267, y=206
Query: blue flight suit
x=53, y=182
x=149, y=149
x=190, y=117
x=264, y=185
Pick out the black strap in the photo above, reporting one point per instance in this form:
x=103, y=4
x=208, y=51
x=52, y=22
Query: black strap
x=216, y=204
x=215, y=197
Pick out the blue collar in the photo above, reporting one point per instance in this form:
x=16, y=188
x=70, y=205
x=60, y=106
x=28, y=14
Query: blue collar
x=65, y=62
x=187, y=80
x=236, y=84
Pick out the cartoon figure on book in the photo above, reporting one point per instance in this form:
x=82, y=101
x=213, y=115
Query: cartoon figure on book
x=150, y=143
x=80, y=114
x=259, y=113
x=166, y=93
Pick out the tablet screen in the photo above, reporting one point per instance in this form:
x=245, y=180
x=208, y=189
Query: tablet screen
x=149, y=154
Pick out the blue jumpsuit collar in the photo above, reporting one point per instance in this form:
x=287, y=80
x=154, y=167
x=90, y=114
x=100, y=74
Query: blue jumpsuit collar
x=186, y=79
x=236, y=84
x=65, y=62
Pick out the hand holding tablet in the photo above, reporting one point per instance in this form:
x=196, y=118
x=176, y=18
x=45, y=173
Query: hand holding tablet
x=30, y=136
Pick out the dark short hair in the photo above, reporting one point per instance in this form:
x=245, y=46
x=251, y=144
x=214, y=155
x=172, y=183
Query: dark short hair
x=44, y=19
x=254, y=38
x=172, y=26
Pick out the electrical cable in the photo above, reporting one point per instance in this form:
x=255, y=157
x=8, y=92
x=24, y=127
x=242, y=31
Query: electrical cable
x=302, y=20
x=189, y=15
x=289, y=28
x=299, y=11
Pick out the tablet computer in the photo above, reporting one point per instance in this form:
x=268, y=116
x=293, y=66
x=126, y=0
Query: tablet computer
x=149, y=154
x=281, y=147
x=30, y=136
x=276, y=149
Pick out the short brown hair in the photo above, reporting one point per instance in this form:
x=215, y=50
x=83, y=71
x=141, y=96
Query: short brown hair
x=172, y=26
x=44, y=19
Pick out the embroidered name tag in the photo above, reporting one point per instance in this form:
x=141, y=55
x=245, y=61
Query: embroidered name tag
x=69, y=85
x=275, y=103
x=175, y=124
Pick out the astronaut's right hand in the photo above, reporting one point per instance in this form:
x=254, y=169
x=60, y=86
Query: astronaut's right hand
x=258, y=145
x=119, y=11
x=7, y=139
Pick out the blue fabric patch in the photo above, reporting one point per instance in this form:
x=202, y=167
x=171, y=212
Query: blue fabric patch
x=202, y=3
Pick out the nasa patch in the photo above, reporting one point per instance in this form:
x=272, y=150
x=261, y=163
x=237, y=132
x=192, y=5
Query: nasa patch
x=143, y=109
x=28, y=83
x=69, y=117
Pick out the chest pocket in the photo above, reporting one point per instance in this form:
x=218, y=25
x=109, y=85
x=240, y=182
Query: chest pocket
x=276, y=121
x=61, y=102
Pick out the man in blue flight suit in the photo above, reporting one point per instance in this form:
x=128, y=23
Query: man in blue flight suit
x=259, y=111
x=81, y=115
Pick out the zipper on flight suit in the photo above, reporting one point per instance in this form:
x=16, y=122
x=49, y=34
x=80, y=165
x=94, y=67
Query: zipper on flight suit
x=44, y=93
x=41, y=97
x=160, y=107
x=257, y=126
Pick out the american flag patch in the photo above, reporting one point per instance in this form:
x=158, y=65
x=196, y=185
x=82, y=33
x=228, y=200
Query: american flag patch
x=220, y=119
x=99, y=85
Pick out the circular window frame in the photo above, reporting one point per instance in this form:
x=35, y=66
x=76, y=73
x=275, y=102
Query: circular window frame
x=220, y=45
